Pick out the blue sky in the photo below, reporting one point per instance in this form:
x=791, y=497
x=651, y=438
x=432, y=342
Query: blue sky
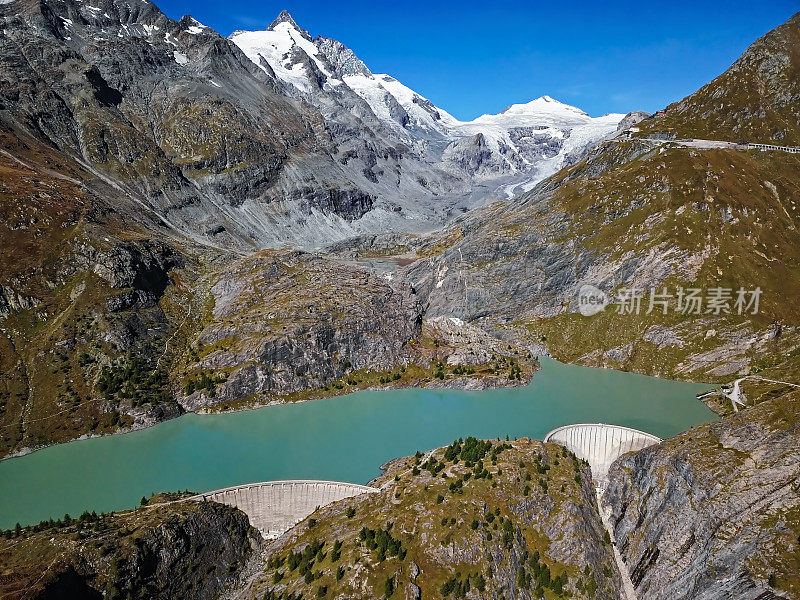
x=472, y=58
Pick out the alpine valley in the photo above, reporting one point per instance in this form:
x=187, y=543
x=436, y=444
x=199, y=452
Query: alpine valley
x=194, y=223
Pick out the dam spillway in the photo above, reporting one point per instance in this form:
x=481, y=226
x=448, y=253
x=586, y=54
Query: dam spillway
x=274, y=507
x=600, y=445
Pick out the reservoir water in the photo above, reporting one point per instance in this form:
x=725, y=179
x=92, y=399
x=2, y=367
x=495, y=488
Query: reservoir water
x=345, y=438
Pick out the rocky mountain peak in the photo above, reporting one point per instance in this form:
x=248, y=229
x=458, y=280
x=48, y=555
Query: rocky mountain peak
x=192, y=25
x=342, y=58
x=285, y=17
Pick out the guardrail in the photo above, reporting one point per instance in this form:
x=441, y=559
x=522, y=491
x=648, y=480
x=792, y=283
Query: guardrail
x=773, y=147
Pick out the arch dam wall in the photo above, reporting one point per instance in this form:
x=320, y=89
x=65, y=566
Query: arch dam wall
x=600, y=445
x=274, y=507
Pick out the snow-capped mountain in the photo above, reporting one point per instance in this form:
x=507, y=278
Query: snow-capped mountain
x=310, y=66
x=266, y=139
x=523, y=144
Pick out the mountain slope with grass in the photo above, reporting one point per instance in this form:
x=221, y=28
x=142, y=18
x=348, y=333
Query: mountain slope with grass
x=475, y=519
x=640, y=216
x=756, y=100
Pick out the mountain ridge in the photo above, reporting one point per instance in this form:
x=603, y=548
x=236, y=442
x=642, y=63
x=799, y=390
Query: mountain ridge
x=512, y=148
x=755, y=100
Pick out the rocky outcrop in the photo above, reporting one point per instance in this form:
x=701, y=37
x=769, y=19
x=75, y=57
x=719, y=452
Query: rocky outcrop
x=348, y=204
x=287, y=322
x=11, y=300
x=713, y=513
x=141, y=269
x=472, y=155
x=170, y=552
x=293, y=325
x=477, y=519
x=631, y=119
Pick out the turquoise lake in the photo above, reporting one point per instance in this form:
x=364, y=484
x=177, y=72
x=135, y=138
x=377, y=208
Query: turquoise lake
x=345, y=438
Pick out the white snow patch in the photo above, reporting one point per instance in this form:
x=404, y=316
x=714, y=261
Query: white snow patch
x=379, y=90
x=196, y=27
x=276, y=48
x=180, y=57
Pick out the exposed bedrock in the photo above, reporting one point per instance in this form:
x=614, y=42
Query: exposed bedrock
x=713, y=513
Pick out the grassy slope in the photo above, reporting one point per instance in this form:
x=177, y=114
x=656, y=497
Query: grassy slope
x=755, y=100
x=718, y=205
x=737, y=210
x=485, y=531
x=34, y=234
x=51, y=222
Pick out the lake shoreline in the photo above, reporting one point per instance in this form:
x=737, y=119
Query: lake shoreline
x=205, y=411
x=446, y=385
x=341, y=440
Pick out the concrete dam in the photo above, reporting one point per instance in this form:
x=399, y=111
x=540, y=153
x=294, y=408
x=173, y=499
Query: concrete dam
x=274, y=507
x=600, y=445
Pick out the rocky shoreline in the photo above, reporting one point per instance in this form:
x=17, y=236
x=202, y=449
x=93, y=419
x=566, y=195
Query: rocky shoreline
x=462, y=383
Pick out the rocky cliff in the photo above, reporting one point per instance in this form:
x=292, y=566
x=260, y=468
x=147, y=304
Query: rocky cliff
x=714, y=513
x=284, y=323
x=290, y=325
x=169, y=551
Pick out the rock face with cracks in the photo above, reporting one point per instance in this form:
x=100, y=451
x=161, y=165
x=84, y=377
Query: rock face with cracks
x=167, y=552
x=714, y=513
x=290, y=325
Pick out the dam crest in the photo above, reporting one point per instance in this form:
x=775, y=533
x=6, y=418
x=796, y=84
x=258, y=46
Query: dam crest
x=274, y=507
